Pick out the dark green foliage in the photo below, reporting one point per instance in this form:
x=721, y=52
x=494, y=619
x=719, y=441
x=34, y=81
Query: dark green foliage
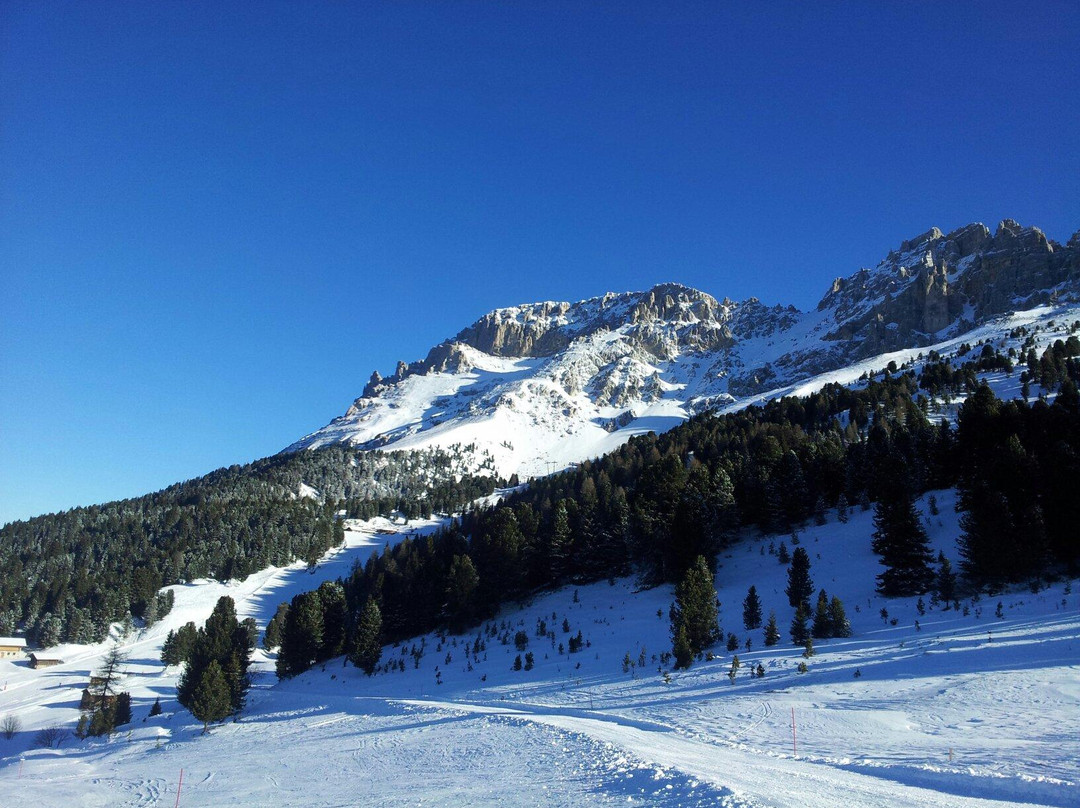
x=274, y=629
x=70, y=574
x=101, y=722
x=301, y=636
x=367, y=640
x=842, y=509
x=800, y=586
x=334, y=614
x=751, y=610
x=681, y=650
x=575, y=643
x=461, y=592
x=122, y=710
x=107, y=677
x=695, y=609
x=899, y=538
x=838, y=621
x=156, y=708
x=211, y=699
x=800, y=631
x=732, y=642
x=1017, y=469
x=772, y=632
x=946, y=582
x=178, y=644
x=159, y=606
x=822, y=628
x=224, y=645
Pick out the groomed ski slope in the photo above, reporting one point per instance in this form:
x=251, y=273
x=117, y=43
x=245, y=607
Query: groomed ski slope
x=1002, y=696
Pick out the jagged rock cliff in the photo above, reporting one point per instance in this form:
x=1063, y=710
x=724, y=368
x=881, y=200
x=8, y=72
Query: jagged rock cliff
x=935, y=282
x=558, y=382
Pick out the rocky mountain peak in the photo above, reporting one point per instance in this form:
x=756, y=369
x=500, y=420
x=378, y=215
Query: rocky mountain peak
x=524, y=379
x=927, y=285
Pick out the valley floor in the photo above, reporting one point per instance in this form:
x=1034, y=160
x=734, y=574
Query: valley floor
x=954, y=710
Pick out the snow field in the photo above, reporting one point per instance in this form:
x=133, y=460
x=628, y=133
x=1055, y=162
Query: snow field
x=999, y=696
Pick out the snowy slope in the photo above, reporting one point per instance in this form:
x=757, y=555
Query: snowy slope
x=545, y=385
x=961, y=710
x=532, y=420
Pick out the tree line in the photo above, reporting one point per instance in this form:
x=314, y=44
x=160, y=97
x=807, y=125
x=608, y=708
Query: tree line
x=67, y=576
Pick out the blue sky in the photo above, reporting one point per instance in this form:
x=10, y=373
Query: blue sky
x=217, y=219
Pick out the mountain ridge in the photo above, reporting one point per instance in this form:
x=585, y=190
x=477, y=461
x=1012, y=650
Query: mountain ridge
x=542, y=385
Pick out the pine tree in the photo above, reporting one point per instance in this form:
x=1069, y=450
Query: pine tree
x=367, y=639
x=946, y=582
x=841, y=627
x=274, y=629
x=461, y=586
x=334, y=620
x=684, y=654
x=561, y=542
x=226, y=644
x=101, y=721
x=900, y=540
x=772, y=632
x=842, y=509
x=122, y=709
x=156, y=708
x=751, y=610
x=301, y=635
x=800, y=587
x=695, y=607
x=800, y=632
x=822, y=628
x=177, y=645
x=107, y=677
x=211, y=700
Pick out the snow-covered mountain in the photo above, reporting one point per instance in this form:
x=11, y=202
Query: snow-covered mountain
x=542, y=385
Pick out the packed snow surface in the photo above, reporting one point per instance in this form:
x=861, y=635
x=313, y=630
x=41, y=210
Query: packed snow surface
x=950, y=708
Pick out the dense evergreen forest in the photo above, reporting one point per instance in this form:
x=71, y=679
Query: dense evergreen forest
x=658, y=503
x=66, y=576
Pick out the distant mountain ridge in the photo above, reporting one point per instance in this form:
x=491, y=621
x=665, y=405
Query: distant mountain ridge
x=546, y=384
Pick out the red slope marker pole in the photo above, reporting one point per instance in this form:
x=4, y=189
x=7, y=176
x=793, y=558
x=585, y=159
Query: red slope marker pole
x=179, y=786
x=794, y=751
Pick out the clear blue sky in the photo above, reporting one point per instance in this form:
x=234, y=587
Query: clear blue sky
x=217, y=219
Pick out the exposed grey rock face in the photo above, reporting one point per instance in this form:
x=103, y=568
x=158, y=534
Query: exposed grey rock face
x=545, y=329
x=935, y=281
x=609, y=360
